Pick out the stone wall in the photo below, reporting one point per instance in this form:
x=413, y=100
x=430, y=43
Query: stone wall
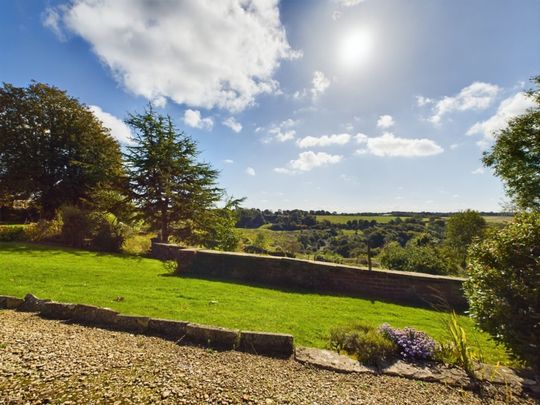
x=393, y=286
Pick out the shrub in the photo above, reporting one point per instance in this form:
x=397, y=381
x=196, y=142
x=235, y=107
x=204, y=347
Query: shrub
x=110, y=234
x=44, y=230
x=412, y=344
x=76, y=225
x=503, y=288
x=421, y=259
x=364, y=342
x=12, y=233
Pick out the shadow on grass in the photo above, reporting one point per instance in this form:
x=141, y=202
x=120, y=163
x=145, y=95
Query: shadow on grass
x=432, y=306
x=45, y=249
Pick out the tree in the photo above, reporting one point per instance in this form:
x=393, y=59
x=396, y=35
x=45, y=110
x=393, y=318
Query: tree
x=461, y=229
x=175, y=193
x=515, y=156
x=53, y=150
x=504, y=286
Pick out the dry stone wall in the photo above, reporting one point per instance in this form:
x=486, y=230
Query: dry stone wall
x=394, y=286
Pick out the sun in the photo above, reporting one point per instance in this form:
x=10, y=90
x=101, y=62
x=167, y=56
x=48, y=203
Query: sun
x=355, y=48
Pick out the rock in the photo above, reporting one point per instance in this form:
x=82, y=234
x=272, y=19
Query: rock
x=57, y=310
x=9, y=302
x=272, y=344
x=32, y=304
x=130, y=323
x=212, y=336
x=89, y=314
x=329, y=360
x=165, y=394
x=174, y=330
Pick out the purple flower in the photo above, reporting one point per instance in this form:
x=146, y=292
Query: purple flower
x=413, y=344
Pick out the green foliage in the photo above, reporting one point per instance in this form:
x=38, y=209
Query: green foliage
x=53, y=150
x=423, y=259
x=173, y=191
x=457, y=349
x=12, y=233
x=76, y=225
x=45, y=230
x=109, y=233
x=515, y=156
x=504, y=286
x=364, y=342
x=462, y=229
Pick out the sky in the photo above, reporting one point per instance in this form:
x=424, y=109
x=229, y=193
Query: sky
x=341, y=105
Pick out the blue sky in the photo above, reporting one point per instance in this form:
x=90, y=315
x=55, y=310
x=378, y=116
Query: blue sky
x=344, y=105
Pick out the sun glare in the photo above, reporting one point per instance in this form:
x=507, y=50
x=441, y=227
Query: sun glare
x=355, y=48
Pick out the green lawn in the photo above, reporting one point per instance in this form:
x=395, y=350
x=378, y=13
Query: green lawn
x=78, y=276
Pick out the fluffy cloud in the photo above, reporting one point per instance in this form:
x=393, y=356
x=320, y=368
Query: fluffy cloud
x=390, y=145
x=119, y=129
x=325, y=140
x=232, y=124
x=385, y=121
x=320, y=83
x=283, y=131
x=480, y=170
x=508, y=108
x=348, y=3
x=228, y=161
x=202, y=53
x=250, y=171
x=422, y=101
x=193, y=119
x=307, y=161
x=477, y=96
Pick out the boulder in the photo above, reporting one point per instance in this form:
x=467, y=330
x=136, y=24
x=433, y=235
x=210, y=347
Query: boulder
x=131, y=323
x=89, y=314
x=57, y=310
x=211, y=336
x=32, y=304
x=270, y=344
x=175, y=330
x=9, y=302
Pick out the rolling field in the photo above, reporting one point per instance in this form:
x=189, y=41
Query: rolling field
x=146, y=288
x=343, y=219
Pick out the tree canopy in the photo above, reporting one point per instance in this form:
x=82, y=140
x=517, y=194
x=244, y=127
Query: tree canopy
x=53, y=150
x=515, y=156
x=173, y=191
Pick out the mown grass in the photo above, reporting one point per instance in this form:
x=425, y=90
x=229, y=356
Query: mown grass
x=70, y=275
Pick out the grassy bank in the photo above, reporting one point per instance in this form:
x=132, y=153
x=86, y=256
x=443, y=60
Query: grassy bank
x=78, y=276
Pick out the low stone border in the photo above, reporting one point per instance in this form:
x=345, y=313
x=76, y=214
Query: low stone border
x=452, y=376
x=269, y=344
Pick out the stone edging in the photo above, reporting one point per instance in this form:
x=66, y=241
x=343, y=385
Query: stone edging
x=269, y=344
x=261, y=343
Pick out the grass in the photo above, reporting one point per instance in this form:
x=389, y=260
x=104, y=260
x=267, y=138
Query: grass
x=70, y=275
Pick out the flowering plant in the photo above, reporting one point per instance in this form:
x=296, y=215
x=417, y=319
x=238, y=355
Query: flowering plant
x=412, y=344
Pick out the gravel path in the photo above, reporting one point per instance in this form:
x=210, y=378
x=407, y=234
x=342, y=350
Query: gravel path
x=44, y=361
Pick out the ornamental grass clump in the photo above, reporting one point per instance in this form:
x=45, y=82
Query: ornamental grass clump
x=412, y=344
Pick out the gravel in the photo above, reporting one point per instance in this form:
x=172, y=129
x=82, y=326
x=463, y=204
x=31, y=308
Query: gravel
x=43, y=361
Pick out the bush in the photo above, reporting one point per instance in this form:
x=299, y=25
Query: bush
x=12, y=233
x=412, y=344
x=110, y=234
x=364, y=342
x=503, y=288
x=44, y=230
x=421, y=259
x=76, y=225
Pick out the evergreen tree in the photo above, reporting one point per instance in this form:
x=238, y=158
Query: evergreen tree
x=174, y=192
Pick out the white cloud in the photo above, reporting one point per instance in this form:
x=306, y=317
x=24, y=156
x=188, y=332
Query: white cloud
x=193, y=119
x=480, y=170
x=390, y=145
x=159, y=102
x=307, y=161
x=336, y=15
x=119, y=130
x=422, y=101
x=385, y=121
x=202, y=53
x=320, y=83
x=508, y=108
x=228, y=161
x=325, y=140
x=348, y=3
x=52, y=19
x=232, y=124
x=477, y=96
x=283, y=132
x=250, y=171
